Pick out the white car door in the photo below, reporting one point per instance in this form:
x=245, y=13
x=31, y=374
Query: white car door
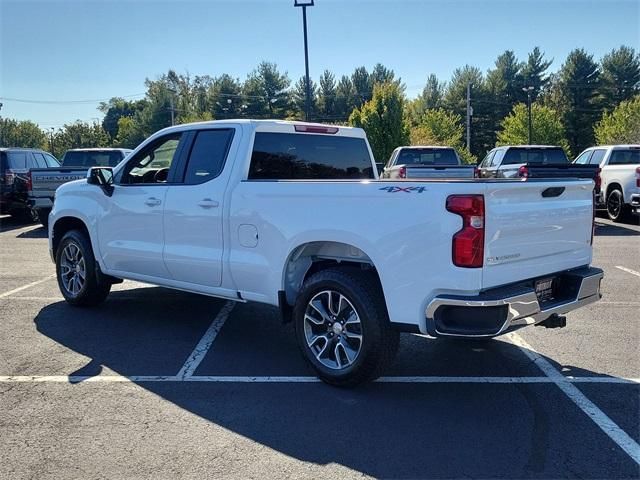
x=193, y=213
x=130, y=229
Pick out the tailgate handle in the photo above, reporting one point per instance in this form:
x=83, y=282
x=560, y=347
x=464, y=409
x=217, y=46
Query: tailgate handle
x=552, y=192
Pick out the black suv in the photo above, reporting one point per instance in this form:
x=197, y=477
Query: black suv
x=15, y=164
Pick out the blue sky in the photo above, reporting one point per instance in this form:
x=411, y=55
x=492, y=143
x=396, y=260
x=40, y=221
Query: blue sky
x=86, y=50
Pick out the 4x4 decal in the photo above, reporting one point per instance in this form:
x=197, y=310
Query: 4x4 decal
x=403, y=189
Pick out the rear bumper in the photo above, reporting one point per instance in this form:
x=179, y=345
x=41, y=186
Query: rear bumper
x=41, y=202
x=501, y=310
x=635, y=204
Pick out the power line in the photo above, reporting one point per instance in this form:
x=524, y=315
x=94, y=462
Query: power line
x=62, y=102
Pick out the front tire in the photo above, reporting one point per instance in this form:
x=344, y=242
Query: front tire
x=616, y=208
x=79, y=279
x=342, y=326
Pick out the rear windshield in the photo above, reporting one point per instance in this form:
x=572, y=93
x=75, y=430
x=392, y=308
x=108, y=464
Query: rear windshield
x=309, y=156
x=427, y=156
x=625, y=157
x=535, y=156
x=91, y=159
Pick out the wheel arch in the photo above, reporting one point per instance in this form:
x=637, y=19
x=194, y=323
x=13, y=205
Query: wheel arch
x=311, y=257
x=613, y=186
x=65, y=224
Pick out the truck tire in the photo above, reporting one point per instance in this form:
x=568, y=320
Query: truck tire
x=79, y=278
x=616, y=208
x=342, y=326
x=43, y=216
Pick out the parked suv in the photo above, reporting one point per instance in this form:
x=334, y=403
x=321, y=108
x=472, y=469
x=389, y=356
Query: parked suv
x=15, y=180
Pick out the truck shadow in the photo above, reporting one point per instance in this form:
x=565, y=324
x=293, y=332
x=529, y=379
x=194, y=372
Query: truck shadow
x=8, y=223
x=607, y=230
x=384, y=430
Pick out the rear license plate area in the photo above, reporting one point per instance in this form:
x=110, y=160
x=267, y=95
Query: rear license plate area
x=544, y=289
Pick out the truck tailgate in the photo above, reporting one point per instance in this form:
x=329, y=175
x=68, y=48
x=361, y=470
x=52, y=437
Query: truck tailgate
x=452, y=171
x=535, y=228
x=47, y=180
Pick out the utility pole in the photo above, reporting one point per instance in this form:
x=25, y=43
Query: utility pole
x=51, y=141
x=171, y=107
x=529, y=90
x=1, y=128
x=469, y=114
x=307, y=103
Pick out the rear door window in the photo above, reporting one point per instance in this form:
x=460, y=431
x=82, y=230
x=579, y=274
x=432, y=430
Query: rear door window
x=308, y=157
x=88, y=159
x=625, y=157
x=208, y=155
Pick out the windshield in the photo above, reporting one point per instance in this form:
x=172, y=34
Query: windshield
x=427, y=156
x=535, y=156
x=94, y=158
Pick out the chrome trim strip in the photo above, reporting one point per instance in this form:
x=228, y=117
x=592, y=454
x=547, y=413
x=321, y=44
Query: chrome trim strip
x=524, y=309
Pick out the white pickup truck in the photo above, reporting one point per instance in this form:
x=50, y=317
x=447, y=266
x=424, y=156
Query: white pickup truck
x=620, y=174
x=426, y=162
x=293, y=215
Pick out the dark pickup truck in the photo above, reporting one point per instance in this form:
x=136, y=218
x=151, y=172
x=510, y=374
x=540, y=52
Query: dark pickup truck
x=534, y=161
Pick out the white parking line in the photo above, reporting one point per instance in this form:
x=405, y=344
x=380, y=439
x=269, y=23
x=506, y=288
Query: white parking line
x=628, y=270
x=296, y=379
x=608, y=426
x=205, y=342
x=24, y=287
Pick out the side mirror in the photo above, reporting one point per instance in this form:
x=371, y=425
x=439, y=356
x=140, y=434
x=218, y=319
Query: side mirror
x=102, y=177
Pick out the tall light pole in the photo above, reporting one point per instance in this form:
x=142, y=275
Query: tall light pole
x=529, y=89
x=307, y=103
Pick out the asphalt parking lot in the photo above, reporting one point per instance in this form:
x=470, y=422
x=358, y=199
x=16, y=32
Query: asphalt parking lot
x=162, y=384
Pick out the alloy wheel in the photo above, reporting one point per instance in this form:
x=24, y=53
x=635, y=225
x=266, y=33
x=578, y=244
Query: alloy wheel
x=333, y=330
x=73, y=271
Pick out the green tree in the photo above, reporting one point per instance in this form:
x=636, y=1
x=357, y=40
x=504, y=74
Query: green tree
x=546, y=127
x=576, y=97
x=327, y=96
x=81, y=135
x=620, y=76
x=225, y=97
x=362, y=86
x=534, y=74
x=382, y=74
x=115, y=109
x=345, y=99
x=21, y=133
x=622, y=125
x=299, y=99
x=441, y=127
x=265, y=92
x=382, y=119
x=130, y=134
x=431, y=97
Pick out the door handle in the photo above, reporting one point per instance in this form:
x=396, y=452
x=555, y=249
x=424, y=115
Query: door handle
x=208, y=203
x=152, y=201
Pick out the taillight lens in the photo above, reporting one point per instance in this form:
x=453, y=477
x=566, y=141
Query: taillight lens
x=523, y=172
x=638, y=177
x=316, y=129
x=29, y=182
x=598, y=180
x=9, y=177
x=403, y=172
x=468, y=243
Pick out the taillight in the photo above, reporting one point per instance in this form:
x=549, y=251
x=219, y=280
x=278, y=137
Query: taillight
x=402, y=172
x=593, y=217
x=29, y=182
x=523, y=172
x=598, y=180
x=468, y=243
x=476, y=172
x=638, y=177
x=9, y=177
